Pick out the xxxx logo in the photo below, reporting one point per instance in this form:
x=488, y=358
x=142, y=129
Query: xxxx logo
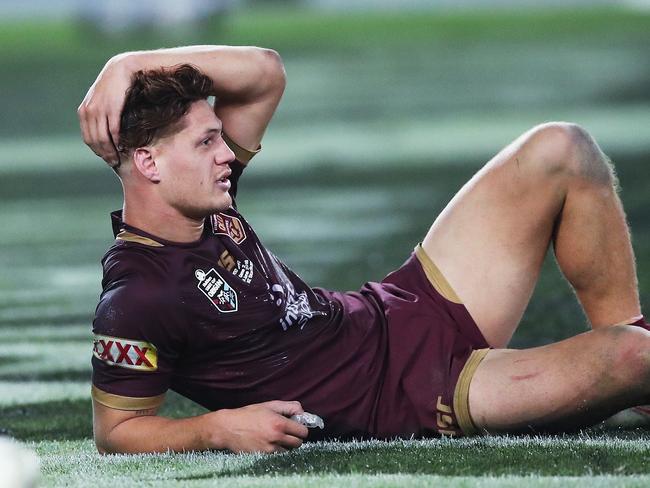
x=230, y=226
x=126, y=353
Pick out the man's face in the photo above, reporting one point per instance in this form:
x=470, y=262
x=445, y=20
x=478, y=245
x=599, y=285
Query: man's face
x=193, y=165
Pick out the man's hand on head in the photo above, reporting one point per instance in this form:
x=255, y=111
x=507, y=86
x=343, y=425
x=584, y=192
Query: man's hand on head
x=100, y=110
x=262, y=427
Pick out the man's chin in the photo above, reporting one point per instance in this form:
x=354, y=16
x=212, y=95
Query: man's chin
x=223, y=204
x=202, y=212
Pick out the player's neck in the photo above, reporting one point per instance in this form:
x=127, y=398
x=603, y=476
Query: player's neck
x=165, y=223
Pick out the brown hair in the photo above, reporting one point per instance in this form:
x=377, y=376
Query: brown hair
x=157, y=100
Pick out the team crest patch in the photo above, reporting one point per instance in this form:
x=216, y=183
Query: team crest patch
x=126, y=353
x=230, y=226
x=220, y=293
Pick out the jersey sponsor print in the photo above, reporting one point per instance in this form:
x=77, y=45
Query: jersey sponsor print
x=298, y=312
x=125, y=353
x=241, y=269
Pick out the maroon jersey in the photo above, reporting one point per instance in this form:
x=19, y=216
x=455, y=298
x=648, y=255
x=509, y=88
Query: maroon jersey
x=224, y=322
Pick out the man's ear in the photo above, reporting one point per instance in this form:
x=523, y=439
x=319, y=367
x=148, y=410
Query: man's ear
x=146, y=164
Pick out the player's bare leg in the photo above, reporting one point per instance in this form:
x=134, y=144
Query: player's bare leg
x=554, y=186
x=551, y=185
x=563, y=386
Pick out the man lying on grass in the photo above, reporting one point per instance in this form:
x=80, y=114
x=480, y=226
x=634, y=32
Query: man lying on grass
x=192, y=300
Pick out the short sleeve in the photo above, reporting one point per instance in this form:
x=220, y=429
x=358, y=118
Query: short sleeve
x=134, y=347
x=242, y=157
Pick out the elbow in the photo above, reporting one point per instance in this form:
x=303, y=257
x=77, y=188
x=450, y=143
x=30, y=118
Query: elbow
x=273, y=69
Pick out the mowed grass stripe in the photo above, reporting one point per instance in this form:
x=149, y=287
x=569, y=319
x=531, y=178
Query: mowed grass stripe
x=28, y=392
x=36, y=334
x=293, y=29
x=372, y=140
x=38, y=357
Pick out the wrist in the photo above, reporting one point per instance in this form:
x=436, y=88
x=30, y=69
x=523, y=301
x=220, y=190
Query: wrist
x=215, y=435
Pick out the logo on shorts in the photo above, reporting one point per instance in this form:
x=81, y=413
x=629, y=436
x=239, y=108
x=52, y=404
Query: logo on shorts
x=445, y=422
x=230, y=226
x=125, y=353
x=220, y=293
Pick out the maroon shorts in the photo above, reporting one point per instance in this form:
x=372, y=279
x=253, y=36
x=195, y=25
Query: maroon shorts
x=434, y=348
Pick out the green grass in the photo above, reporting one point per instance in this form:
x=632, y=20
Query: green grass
x=297, y=29
x=486, y=461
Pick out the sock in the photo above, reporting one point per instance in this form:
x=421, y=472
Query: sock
x=642, y=323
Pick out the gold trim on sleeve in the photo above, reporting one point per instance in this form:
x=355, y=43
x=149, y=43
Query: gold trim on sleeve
x=126, y=403
x=125, y=235
x=243, y=155
x=435, y=276
x=461, y=393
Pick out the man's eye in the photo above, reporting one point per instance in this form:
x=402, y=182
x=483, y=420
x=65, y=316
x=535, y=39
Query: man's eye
x=207, y=141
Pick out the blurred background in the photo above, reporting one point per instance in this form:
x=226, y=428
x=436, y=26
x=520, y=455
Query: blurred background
x=390, y=106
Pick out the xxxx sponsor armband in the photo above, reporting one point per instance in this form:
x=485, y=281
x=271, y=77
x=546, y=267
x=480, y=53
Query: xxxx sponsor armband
x=126, y=353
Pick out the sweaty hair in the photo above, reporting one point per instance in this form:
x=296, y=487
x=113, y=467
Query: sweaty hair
x=156, y=101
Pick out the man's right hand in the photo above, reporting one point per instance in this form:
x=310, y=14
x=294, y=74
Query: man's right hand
x=99, y=112
x=262, y=427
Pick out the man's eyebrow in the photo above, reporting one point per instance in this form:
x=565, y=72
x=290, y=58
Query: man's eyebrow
x=210, y=131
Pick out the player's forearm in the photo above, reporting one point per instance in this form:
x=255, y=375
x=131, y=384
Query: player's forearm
x=261, y=427
x=240, y=74
x=151, y=433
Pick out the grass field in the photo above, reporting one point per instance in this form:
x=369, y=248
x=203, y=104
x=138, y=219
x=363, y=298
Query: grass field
x=361, y=154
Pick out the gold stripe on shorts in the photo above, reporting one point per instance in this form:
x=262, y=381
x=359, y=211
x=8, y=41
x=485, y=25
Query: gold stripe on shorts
x=461, y=393
x=435, y=276
x=126, y=403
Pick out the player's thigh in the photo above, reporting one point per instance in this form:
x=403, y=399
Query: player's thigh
x=562, y=386
x=491, y=239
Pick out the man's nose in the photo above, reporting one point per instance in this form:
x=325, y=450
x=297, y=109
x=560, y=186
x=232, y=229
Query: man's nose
x=224, y=154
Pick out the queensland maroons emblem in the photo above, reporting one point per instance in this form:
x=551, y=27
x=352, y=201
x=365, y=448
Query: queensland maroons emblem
x=220, y=293
x=230, y=226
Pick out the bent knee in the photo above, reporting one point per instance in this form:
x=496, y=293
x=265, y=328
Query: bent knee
x=567, y=150
x=629, y=352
